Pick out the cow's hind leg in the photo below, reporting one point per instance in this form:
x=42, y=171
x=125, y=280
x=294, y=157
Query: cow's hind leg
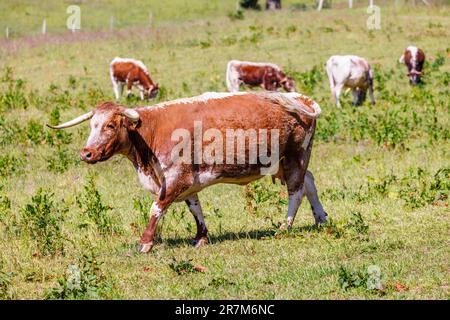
x=320, y=216
x=296, y=190
x=196, y=209
x=295, y=199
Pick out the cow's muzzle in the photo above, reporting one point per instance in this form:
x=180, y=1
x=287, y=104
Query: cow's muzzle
x=89, y=155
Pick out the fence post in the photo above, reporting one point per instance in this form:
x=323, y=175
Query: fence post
x=7, y=32
x=44, y=26
x=150, y=19
x=350, y=4
x=111, y=23
x=319, y=7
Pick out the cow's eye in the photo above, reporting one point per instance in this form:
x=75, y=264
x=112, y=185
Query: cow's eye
x=110, y=126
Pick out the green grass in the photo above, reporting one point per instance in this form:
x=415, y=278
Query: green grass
x=385, y=211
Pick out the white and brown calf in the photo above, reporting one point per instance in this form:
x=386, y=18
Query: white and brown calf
x=132, y=73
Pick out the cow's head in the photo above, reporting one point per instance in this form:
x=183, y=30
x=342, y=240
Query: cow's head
x=109, y=131
x=288, y=84
x=152, y=91
x=414, y=76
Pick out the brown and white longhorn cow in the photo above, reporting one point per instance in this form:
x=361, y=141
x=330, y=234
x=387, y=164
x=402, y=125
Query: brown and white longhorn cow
x=269, y=76
x=414, y=59
x=182, y=146
x=131, y=72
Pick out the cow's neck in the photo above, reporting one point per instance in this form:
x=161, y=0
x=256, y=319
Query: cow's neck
x=142, y=153
x=146, y=81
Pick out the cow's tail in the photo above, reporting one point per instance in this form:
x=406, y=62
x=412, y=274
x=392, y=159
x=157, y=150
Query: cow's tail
x=296, y=103
x=230, y=76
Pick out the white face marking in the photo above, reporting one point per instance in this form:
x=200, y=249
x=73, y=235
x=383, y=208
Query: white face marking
x=97, y=122
x=414, y=51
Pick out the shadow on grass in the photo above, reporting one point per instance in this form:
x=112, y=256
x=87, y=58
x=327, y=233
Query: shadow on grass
x=264, y=234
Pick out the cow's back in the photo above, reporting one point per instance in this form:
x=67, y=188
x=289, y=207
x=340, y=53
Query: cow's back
x=232, y=111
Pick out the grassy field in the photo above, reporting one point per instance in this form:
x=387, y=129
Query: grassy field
x=69, y=230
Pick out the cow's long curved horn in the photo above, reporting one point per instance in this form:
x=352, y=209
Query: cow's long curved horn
x=131, y=114
x=73, y=122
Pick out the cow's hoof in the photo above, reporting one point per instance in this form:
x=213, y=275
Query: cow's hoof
x=145, y=247
x=283, y=227
x=200, y=242
x=321, y=219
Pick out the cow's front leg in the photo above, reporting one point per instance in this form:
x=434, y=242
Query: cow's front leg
x=196, y=209
x=355, y=93
x=120, y=88
x=337, y=92
x=156, y=212
x=116, y=85
x=129, y=86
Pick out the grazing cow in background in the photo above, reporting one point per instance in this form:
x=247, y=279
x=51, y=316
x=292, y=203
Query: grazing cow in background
x=269, y=76
x=413, y=58
x=154, y=137
x=351, y=72
x=131, y=72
